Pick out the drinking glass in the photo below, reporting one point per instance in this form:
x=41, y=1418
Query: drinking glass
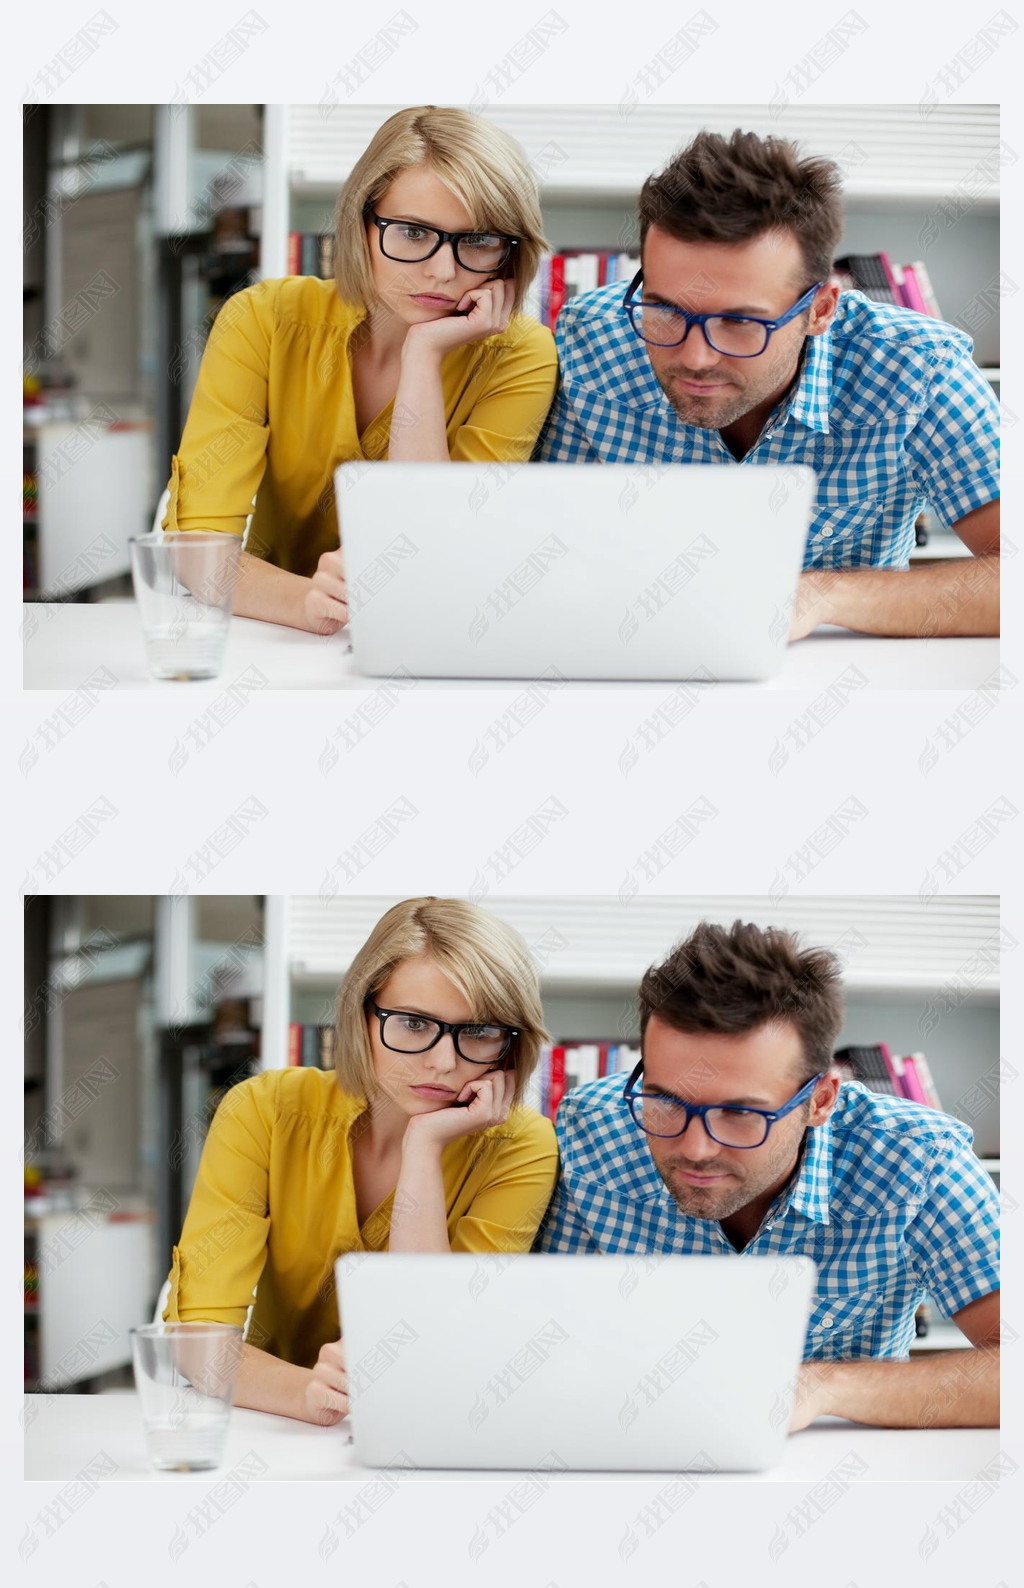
x=185, y=586
x=185, y=1377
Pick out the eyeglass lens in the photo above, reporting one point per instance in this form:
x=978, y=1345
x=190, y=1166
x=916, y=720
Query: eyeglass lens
x=663, y=328
x=731, y=1127
x=415, y=1033
x=479, y=251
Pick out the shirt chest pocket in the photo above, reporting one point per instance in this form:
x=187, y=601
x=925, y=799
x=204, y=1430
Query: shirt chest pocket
x=842, y=1326
x=842, y=532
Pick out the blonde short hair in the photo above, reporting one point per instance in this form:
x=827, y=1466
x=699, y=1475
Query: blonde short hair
x=483, y=167
x=486, y=961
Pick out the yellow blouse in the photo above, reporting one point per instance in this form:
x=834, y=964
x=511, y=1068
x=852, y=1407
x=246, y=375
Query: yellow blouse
x=273, y=415
x=274, y=1205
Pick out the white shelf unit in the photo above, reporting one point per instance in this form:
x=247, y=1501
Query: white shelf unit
x=92, y=1274
x=890, y=155
x=592, y=950
x=919, y=976
x=591, y=161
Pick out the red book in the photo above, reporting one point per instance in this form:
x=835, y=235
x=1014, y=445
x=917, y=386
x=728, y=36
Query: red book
x=295, y=253
x=295, y=1043
x=556, y=1090
x=556, y=290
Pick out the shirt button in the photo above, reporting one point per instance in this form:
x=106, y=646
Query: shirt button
x=827, y=1321
x=827, y=530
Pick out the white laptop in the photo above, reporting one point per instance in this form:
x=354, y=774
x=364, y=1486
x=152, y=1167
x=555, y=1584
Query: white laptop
x=575, y=1363
x=602, y=571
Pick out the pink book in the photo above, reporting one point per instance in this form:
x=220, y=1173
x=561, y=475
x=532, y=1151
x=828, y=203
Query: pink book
x=924, y=282
x=924, y=1075
x=895, y=1067
x=911, y=1081
x=912, y=292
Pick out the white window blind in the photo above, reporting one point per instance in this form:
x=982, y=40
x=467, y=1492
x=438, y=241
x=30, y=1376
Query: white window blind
x=884, y=151
x=892, y=941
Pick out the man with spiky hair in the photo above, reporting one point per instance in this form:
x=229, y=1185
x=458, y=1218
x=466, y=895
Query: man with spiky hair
x=733, y=344
x=734, y=1134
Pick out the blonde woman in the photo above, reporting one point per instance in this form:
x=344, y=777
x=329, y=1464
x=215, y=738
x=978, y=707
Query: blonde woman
x=416, y=352
x=417, y=1142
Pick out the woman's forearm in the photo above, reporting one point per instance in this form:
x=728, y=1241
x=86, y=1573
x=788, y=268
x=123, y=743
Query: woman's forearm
x=266, y=1384
x=419, y=1220
x=418, y=431
x=270, y=593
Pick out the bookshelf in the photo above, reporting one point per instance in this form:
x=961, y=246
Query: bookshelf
x=903, y=174
x=904, y=963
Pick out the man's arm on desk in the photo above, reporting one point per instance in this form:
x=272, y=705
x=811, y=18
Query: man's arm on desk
x=318, y=605
x=939, y=599
x=952, y=1389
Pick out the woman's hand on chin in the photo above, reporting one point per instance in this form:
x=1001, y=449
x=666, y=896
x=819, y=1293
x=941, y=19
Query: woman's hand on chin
x=489, y=310
x=327, y=1390
x=487, y=1101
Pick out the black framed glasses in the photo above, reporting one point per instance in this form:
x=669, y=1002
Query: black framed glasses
x=405, y=1032
x=410, y=244
x=662, y=1114
x=735, y=335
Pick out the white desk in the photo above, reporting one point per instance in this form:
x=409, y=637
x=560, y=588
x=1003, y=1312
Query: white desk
x=64, y=1433
x=65, y=644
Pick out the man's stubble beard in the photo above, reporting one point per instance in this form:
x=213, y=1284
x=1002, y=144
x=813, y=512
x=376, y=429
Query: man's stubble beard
x=697, y=411
x=779, y=376
x=700, y=1202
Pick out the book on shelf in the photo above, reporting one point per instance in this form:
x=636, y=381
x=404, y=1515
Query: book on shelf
x=923, y=282
x=925, y=1078
x=912, y=1087
x=898, y=1075
x=567, y=274
x=311, y=254
x=311, y=1046
x=871, y=1065
x=564, y=1065
x=907, y=286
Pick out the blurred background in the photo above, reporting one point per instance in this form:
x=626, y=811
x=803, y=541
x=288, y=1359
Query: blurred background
x=141, y=1012
x=140, y=220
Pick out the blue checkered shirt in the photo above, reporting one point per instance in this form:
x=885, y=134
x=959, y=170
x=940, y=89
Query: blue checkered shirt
x=889, y=1201
x=889, y=411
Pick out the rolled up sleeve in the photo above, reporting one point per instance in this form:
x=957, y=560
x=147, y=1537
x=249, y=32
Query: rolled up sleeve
x=222, y=457
x=954, y=447
x=217, y=1264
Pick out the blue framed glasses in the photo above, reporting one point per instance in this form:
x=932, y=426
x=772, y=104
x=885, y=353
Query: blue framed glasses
x=735, y=335
x=662, y=1114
